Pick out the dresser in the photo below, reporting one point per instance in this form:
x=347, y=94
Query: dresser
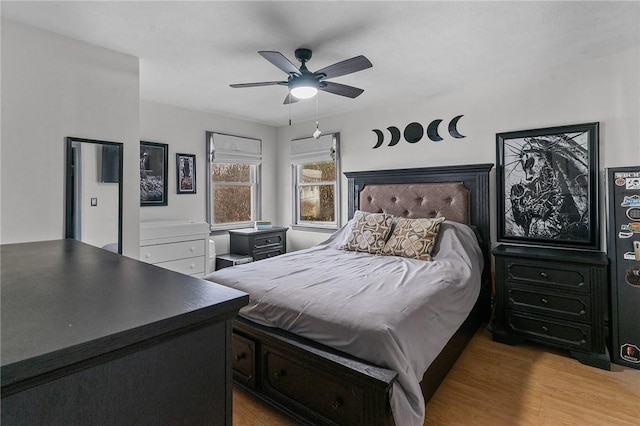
x=258, y=243
x=90, y=336
x=180, y=246
x=555, y=297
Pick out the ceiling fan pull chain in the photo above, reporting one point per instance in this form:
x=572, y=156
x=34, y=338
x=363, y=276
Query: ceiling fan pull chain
x=317, y=132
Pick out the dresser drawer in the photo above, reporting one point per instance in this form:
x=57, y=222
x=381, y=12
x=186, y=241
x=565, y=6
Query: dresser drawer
x=243, y=355
x=267, y=240
x=553, y=274
x=560, y=333
x=259, y=255
x=192, y=266
x=288, y=380
x=164, y=252
x=568, y=306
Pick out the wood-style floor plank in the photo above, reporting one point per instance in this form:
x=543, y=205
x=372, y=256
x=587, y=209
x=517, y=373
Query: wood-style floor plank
x=495, y=384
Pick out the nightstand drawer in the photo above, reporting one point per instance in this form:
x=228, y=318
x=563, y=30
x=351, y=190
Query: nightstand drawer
x=267, y=240
x=550, y=274
x=568, y=306
x=564, y=334
x=267, y=254
x=252, y=242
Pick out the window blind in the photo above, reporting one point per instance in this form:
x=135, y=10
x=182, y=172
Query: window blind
x=234, y=149
x=309, y=150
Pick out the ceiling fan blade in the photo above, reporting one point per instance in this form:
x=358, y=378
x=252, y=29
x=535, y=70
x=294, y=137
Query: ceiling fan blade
x=290, y=99
x=262, y=83
x=340, y=89
x=347, y=66
x=280, y=61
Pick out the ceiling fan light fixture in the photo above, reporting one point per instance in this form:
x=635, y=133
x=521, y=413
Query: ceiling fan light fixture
x=303, y=88
x=304, y=92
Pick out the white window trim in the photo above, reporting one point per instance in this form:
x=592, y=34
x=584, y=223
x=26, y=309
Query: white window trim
x=313, y=157
x=252, y=159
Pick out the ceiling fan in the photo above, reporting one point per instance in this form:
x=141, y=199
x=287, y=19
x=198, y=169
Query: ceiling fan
x=304, y=84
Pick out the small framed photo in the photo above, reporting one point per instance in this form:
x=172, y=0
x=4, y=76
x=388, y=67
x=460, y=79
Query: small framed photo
x=547, y=186
x=186, y=173
x=154, y=162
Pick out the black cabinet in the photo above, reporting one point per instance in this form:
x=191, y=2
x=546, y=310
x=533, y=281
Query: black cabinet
x=258, y=243
x=552, y=296
x=92, y=337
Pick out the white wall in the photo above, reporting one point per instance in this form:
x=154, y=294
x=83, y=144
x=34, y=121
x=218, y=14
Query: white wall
x=184, y=130
x=605, y=90
x=54, y=87
x=98, y=225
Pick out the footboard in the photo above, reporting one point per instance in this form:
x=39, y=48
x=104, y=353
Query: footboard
x=310, y=382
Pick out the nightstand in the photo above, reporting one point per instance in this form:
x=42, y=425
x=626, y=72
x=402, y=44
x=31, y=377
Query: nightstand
x=555, y=297
x=227, y=260
x=258, y=243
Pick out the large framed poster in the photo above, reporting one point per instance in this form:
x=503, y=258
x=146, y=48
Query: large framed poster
x=547, y=186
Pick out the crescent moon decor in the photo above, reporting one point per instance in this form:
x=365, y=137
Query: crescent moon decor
x=380, y=138
x=395, y=135
x=432, y=131
x=414, y=132
x=453, y=130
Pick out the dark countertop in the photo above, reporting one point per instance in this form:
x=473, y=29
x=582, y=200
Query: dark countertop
x=64, y=302
x=252, y=231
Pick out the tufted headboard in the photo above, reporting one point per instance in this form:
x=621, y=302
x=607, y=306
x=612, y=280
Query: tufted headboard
x=414, y=200
x=459, y=193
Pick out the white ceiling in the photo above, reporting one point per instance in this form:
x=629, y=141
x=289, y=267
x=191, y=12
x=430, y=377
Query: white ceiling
x=191, y=51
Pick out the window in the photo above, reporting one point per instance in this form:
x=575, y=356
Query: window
x=234, y=177
x=316, y=181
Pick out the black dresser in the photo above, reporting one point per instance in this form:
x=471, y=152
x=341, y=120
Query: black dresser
x=93, y=337
x=552, y=296
x=258, y=243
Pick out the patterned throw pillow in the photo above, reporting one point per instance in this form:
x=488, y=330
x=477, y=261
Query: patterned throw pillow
x=413, y=238
x=369, y=232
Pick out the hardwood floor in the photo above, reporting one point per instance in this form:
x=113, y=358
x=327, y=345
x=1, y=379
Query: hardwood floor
x=495, y=384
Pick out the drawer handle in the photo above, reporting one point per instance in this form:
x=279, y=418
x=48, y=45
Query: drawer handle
x=337, y=403
x=192, y=249
x=267, y=241
x=192, y=266
x=543, y=300
x=148, y=255
x=582, y=312
x=240, y=356
x=543, y=274
x=545, y=329
x=280, y=374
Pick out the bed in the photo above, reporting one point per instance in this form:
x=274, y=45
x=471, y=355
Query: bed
x=335, y=354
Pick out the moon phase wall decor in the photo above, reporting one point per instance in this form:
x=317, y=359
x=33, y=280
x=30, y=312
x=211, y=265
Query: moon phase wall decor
x=415, y=131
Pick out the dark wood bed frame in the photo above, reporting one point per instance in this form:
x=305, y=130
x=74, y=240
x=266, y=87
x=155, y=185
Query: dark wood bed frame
x=315, y=384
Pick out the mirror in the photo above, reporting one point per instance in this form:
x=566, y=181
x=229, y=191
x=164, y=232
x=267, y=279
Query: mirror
x=94, y=193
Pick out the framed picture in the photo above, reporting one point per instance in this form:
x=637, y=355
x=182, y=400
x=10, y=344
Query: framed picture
x=547, y=183
x=186, y=173
x=153, y=173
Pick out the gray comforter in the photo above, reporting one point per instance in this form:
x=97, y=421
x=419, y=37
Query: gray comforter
x=395, y=312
